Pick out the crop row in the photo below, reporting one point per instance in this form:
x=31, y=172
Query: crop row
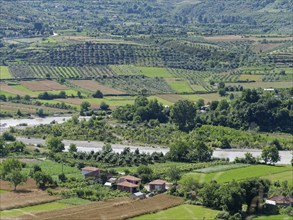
x=137, y=84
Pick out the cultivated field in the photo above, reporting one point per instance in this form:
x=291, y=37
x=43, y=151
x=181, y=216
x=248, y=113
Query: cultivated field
x=155, y=72
x=182, y=212
x=179, y=85
x=264, y=85
x=240, y=173
x=43, y=85
x=283, y=176
x=94, y=86
x=227, y=38
x=4, y=73
x=250, y=77
x=171, y=97
x=11, y=89
x=112, y=209
x=25, y=195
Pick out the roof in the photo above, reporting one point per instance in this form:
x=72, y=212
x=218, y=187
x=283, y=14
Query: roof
x=127, y=184
x=158, y=182
x=108, y=184
x=138, y=194
x=282, y=199
x=112, y=180
x=90, y=168
x=131, y=178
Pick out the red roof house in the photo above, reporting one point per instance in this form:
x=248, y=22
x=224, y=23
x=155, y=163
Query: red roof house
x=158, y=185
x=127, y=186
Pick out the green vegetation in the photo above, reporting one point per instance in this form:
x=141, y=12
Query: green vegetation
x=272, y=217
x=4, y=73
x=281, y=176
x=34, y=209
x=155, y=72
x=179, y=85
x=182, y=212
x=240, y=173
x=220, y=168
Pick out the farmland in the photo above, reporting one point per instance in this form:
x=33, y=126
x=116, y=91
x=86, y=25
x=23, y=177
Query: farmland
x=155, y=72
x=94, y=86
x=113, y=209
x=191, y=212
x=240, y=173
x=179, y=85
x=254, y=85
x=4, y=73
x=44, y=85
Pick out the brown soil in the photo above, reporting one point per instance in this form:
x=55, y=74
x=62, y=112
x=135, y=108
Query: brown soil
x=43, y=85
x=6, y=88
x=114, y=209
x=94, y=86
x=171, y=97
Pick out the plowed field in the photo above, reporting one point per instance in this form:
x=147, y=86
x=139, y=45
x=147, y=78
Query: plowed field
x=94, y=86
x=115, y=209
x=43, y=85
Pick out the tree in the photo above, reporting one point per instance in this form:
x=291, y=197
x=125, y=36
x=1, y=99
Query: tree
x=9, y=165
x=178, y=151
x=209, y=195
x=7, y=136
x=40, y=112
x=42, y=179
x=104, y=106
x=190, y=186
x=270, y=154
x=199, y=152
x=222, y=92
x=145, y=172
x=16, y=178
x=183, y=114
x=84, y=106
x=98, y=94
x=72, y=148
x=174, y=174
x=54, y=144
x=79, y=94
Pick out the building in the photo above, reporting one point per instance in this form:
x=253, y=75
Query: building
x=159, y=185
x=130, y=179
x=127, y=187
x=138, y=195
x=95, y=173
x=280, y=201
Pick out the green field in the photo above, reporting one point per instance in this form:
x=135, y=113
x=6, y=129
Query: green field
x=33, y=209
x=220, y=168
x=250, y=77
x=283, y=176
x=182, y=212
x=112, y=100
x=7, y=94
x=240, y=173
x=4, y=73
x=179, y=85
x=155, y=72
x=54, y=169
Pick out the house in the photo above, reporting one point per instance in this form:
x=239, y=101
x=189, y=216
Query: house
x=138, y=195
x=127, y=186
x=280, y=201
x=157, y=185
x=95, y=173
x=130, y=179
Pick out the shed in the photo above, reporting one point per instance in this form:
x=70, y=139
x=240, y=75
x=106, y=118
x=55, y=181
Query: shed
x=138, y=195
x=280, y=200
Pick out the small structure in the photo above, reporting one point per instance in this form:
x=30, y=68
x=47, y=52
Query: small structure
x=108, y=184
x=95, y=173
x=130, y=179
x=138, y=195
x=280, y=201
x=159, y=185
x=127, y=187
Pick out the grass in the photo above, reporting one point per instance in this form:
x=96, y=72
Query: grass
x=221, y=168
x=179, y=85
x=54, y=169
x=4, y=73
x=7, y=94
x=182, y=212
x=3, y=191
x=206, y=97
x=240, y=173
x=113, y=100
x=33, y=209
x=283, y=176
x=74, y=201
x=155, y=72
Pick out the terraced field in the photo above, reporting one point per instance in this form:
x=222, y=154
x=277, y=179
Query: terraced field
x=43, y=85
x=263, y=85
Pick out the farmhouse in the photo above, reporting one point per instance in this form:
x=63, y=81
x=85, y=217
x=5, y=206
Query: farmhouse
x=158, y=185
x=130, y=179
x=127, y=186
x=280, y=201
x=95, y=173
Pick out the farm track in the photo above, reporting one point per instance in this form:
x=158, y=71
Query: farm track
x=113, y=209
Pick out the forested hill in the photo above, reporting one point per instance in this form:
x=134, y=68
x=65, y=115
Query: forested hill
x=232, y=15
x=146, y=17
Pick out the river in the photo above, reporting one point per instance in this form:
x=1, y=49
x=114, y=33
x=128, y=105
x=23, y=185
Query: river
x=87, y=146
